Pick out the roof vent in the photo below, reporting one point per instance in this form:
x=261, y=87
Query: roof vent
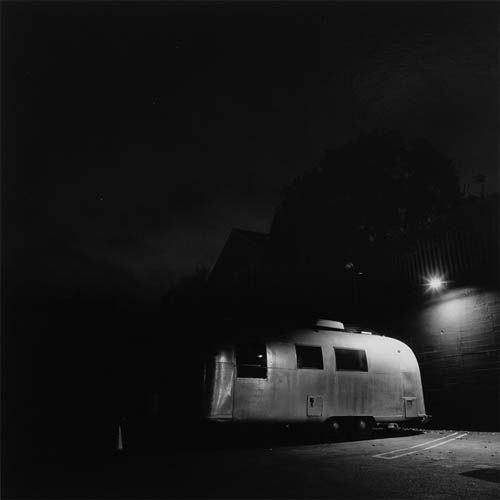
x=328, y=323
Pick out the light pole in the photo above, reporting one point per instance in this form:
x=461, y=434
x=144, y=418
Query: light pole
x=354, y=275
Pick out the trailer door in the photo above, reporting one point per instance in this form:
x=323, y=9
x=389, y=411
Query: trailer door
x=252, y=394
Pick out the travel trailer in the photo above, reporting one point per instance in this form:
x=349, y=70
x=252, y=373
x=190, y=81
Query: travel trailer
x=324, y=374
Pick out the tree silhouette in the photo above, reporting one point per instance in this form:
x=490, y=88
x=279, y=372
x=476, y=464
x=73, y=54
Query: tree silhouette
x=480, y=179
x=362, y=202
x=376, y=187
x=189, y=291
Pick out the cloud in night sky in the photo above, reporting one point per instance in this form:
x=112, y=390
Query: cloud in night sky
x=140, y=135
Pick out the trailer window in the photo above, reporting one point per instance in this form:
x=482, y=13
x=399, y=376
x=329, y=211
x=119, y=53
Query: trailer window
x=351, y=359
x=309, y=356
x=251, y=361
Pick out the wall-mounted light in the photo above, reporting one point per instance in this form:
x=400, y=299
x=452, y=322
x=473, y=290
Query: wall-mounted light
x=435, y=283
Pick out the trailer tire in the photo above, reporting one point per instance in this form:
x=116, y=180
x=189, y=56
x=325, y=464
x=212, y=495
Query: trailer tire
x=361, y=426
x=333, y=429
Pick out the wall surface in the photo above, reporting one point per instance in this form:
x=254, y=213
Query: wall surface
x=455, y=336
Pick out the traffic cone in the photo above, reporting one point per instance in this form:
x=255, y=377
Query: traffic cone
x=119, y=445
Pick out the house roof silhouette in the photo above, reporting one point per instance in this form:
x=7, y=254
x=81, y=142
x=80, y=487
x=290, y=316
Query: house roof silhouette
x=239, y=259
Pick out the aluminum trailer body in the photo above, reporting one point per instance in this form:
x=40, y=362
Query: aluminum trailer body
x=314, y=375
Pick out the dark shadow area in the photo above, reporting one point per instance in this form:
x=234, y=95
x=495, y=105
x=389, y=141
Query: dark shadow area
x=239, y=437
x=466, y=407
x=163, y=469
x=487, y=474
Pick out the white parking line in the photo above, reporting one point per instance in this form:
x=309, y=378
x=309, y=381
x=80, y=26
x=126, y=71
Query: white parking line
x=383, y=455
x=415, y=446
x=439, y=444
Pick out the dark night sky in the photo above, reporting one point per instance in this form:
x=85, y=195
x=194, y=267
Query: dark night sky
x=136, y=136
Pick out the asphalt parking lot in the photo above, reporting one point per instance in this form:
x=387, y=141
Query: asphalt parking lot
x=407, y=464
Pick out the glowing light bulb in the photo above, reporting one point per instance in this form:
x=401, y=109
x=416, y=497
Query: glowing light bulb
x=435, y=283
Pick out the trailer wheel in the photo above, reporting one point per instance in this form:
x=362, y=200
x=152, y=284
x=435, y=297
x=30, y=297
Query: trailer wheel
x=334, y=429
x=361, y=426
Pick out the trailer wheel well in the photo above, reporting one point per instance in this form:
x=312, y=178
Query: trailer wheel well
x=341, y=427
x=334, y=428
x=361, y=426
